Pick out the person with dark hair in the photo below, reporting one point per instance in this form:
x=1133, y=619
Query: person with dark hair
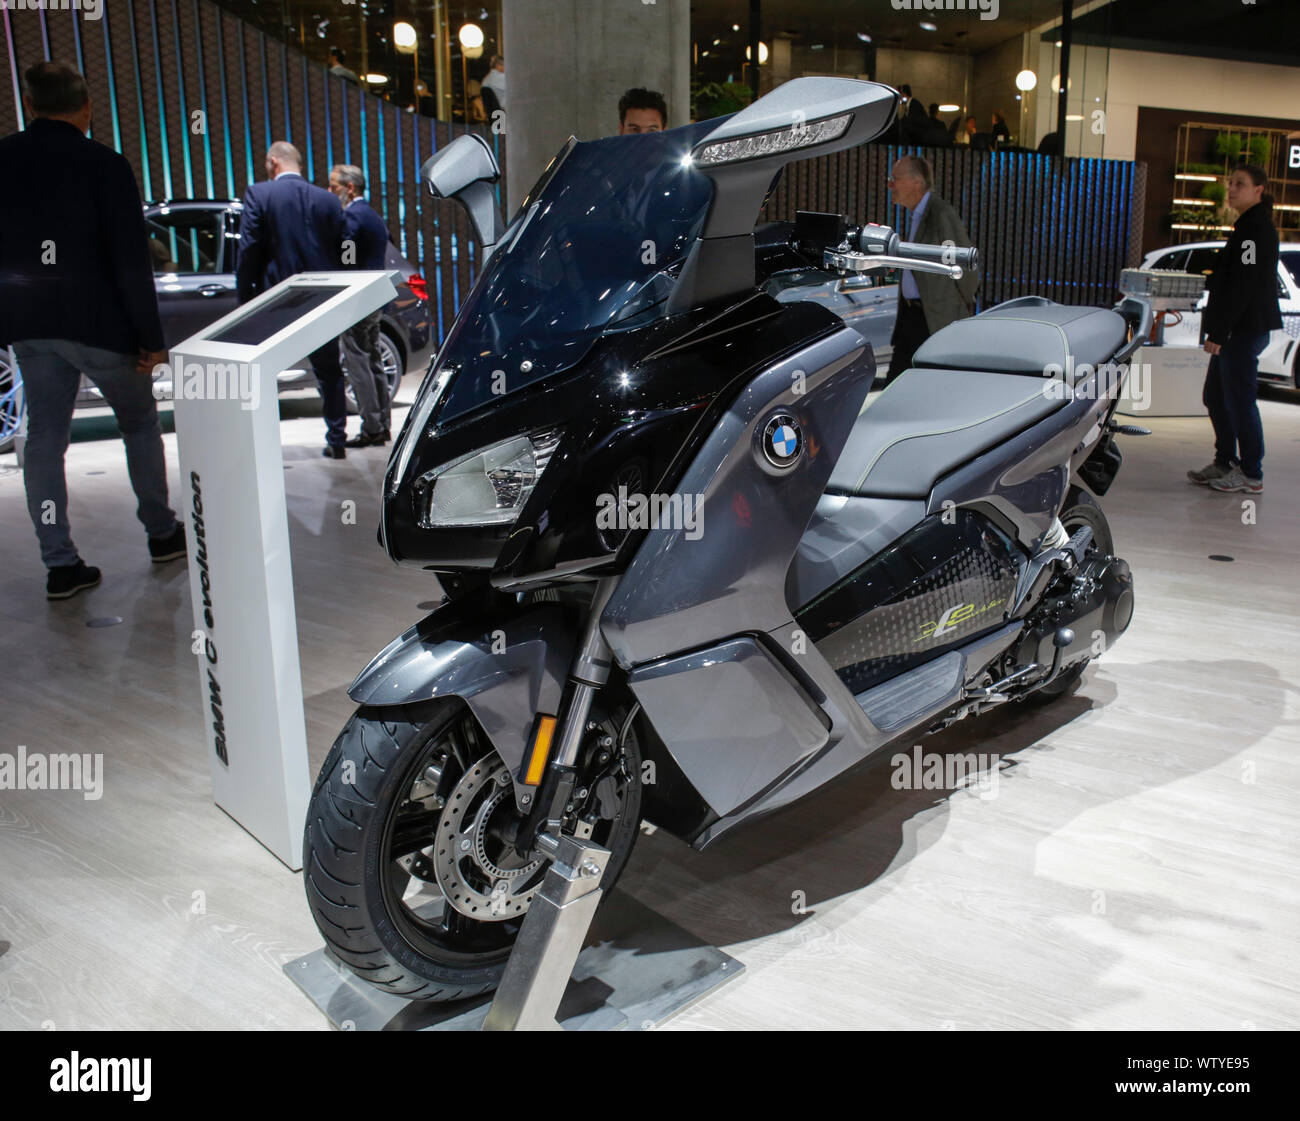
x=914, y=122
x=365, y=241
x=290, y=226
x=493, y=86
x=1241, y=311
x=641, y=110
x=338, y=65
x=77, y=297
x=1000, y=133
x=967, y=130
x=926, y=302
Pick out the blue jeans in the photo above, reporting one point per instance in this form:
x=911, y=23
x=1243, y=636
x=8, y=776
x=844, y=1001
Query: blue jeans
x=51, y=370
x=1231, y=396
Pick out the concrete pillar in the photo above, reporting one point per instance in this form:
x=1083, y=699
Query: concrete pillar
x=569, y=61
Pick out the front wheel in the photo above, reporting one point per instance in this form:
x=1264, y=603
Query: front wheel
x=408, y=868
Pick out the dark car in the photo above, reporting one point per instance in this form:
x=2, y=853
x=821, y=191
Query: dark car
x=195, y=245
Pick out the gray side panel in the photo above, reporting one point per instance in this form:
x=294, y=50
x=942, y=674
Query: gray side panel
x=756, y=725
x=681, y=594
x=843, y=534
x=1025, y=479
x=504, y=690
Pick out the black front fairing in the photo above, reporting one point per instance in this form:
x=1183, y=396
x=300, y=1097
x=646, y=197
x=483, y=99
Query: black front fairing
x=568, y=327
x=591, y=250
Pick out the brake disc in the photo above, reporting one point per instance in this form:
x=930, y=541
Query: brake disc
x=472, y=880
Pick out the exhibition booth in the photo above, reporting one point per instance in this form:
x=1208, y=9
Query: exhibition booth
x=786, y=597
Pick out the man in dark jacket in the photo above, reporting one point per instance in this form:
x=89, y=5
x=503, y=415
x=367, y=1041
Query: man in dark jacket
x=291, y=226
x=1241, y=311
x=926, y=302
x=365, y=246
x=77, y=296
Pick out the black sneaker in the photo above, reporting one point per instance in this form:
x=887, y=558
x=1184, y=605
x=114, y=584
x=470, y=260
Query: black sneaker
x=66, y=580
x=333, y=451
x=367, y=440
x=169, y=548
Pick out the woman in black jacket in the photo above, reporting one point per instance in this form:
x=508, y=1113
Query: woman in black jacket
x=1241, y=311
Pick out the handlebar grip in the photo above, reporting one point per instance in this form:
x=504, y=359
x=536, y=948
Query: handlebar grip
x=967, y=258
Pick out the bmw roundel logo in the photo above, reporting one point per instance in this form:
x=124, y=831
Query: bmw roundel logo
x=782, y=440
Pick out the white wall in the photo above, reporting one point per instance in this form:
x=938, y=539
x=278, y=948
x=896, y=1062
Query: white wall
x=1198, y=85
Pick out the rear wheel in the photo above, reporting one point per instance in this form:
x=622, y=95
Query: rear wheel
x=1080, y=509
x=408, y=868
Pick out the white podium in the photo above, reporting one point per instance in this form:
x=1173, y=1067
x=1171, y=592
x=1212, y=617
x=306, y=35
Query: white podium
x=1169, y=382
x=241, y=582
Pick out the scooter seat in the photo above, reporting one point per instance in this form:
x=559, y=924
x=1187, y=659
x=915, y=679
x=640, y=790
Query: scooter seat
x=1020, y=339
x=929, y=422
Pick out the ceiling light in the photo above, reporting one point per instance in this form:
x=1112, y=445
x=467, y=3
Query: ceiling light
x=377, y=79
x=928, y=26
x=949, y=108
x=1026, y=80
x=404, y=37
x=864, y=36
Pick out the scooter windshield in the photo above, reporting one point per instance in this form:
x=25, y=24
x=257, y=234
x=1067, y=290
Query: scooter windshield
x=588, y=252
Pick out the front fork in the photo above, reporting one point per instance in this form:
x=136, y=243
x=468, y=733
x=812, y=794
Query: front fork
x=588, y=674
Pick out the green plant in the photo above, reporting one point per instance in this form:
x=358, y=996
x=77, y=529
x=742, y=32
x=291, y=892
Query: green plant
x=1202, y=168
x=1197, y=216
x=1228, y=145
x=1216, y=191
x=716, y=99
x=1260, y=149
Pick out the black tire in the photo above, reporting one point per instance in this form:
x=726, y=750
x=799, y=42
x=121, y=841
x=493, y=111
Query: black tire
x=1080, y=509
x=352, y=881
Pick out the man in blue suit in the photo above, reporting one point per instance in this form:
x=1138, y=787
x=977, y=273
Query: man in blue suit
x=365, y=246
x=77, y=297
x=291, y=226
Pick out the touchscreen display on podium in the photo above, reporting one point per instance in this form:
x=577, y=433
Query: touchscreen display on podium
x=245, y=634
x=267, y=320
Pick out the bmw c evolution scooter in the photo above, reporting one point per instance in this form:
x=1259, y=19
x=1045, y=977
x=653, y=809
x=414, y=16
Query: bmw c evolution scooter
x=688, y=577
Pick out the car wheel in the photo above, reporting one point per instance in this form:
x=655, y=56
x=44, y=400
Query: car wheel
x=390, y=356
x=12, y=402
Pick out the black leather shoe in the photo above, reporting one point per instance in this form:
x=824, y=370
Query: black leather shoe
x=67, y=580
x=169, y=548
x=333, y=451
x=362, y=440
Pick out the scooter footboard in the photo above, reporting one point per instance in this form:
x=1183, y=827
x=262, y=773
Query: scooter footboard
x=506, y=667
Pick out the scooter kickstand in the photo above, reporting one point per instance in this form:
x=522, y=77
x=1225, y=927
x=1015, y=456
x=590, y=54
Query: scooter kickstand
x=551, y=937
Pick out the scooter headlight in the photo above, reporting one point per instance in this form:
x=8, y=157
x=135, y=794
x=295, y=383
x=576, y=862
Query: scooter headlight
x=487, y=487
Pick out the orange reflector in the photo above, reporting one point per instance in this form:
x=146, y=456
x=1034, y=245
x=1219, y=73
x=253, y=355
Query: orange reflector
x=541, y=750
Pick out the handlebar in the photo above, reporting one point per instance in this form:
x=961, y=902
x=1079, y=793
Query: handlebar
x=965, y=258
x=878, y=242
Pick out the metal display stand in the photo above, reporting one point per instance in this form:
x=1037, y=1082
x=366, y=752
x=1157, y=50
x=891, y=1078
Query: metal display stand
x=636, y=971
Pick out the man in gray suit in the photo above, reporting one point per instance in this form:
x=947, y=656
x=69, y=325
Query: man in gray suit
x=926, y=302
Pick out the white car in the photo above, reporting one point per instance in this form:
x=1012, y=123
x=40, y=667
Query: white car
x=1279, y=364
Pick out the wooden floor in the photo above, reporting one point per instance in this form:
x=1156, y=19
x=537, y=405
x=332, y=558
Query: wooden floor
x=1136, y=868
